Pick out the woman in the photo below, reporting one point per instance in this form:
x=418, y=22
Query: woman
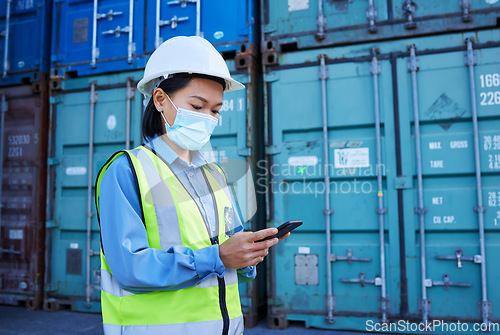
x=173, y=250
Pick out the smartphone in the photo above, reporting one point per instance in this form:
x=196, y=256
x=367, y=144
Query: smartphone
x=284, y=229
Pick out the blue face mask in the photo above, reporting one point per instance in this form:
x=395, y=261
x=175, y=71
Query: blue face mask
x=191, y=130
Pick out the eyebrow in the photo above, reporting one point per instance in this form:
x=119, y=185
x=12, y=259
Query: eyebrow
x=203, y=99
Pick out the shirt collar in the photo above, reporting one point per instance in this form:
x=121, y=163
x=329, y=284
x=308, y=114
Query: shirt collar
x=172, y=158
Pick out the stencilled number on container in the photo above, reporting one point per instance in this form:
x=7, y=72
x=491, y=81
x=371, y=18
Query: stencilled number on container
x=15, y=152
x=19, y=139
x=15, y=143
x=490, y=80
x=490, y=98
x=229, y=105
x=494, y=199
x=497, y=219
x=487, y=81
x=491, y=142
x=494, y=161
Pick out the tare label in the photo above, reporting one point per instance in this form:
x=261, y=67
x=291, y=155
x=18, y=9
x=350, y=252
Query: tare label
x=437, y=164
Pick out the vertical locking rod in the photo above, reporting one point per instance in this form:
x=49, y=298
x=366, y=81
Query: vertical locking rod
x=157, y=30
x=323, y=76
x=470, y=62
x=131, y=45
x=7, y=34
x=130, y=96
x=413, y=68
x=371, y=16
x=3, y=109
x=93, y=101
x=198, y=18
x=94, y=36
x=375, y=71
x=320, y=22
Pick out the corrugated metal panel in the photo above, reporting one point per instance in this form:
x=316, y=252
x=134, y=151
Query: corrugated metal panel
x=23, y=188
x=302, y=24
x=22, y=58
x=346, y=260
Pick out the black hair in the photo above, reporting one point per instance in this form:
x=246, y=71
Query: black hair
x=152, y=122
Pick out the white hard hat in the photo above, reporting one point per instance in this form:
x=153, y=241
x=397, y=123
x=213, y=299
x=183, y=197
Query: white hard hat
x=185, y=54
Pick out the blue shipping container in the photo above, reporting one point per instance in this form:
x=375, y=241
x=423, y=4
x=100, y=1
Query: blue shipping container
x=95, y=37
x=24, y=56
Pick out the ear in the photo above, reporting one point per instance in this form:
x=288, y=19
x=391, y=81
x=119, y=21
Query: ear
x=159, y=98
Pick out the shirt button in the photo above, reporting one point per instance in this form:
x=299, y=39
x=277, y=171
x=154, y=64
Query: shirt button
x=203, y=201
x=191, y=174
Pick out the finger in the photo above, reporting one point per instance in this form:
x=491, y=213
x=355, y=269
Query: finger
x=285, y=236
x=264, y=244
x=257, y=260
x=260, y=234
x=259, y=253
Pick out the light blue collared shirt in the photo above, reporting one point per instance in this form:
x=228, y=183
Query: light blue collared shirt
x=136, y=266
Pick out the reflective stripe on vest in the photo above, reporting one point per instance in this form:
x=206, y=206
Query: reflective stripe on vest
x=171, y=217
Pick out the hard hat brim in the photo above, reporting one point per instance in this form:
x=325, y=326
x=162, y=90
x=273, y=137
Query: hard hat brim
x=147, y=84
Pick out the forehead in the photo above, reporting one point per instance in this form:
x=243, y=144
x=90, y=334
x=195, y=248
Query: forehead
x=208, y=89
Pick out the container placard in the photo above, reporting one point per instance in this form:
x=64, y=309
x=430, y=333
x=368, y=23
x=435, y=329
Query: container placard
x=295, y=5
x=16, y=234
x=302, y=160
x=352, y=158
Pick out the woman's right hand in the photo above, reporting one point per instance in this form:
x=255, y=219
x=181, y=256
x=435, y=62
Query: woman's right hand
x=241, y=250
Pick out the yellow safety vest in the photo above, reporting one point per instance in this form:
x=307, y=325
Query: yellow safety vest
x=212, y=306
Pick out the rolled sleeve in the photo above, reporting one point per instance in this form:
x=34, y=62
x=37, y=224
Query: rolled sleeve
x=208, y=262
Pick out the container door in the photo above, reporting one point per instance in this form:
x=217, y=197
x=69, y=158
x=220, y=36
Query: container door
x=427, y=15
x=21, y=58
x=314, y=22
x=302, y=24
x=207, y=18
x=458, y=277
x=22, y=226
x=351, y=249
x=97, y=37
x=73, y=277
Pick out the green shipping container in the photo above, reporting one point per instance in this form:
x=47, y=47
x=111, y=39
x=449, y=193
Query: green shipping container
x=304, y=24
x=373, y=147
x=90, y=117
x=97, y=116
